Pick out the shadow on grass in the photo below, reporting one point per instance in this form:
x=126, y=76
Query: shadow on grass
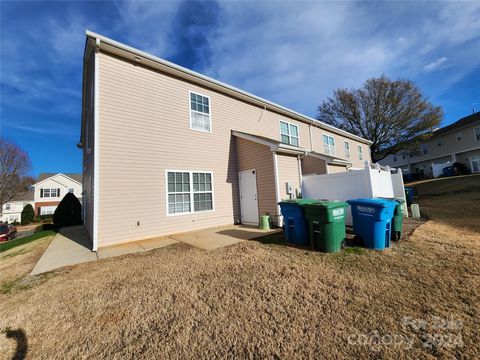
x=22, y=344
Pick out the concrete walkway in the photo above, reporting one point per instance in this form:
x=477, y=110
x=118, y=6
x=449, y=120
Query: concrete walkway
x=72, y=246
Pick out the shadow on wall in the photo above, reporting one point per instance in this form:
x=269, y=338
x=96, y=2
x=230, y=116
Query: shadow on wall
x=232, y=178
x=22, y=345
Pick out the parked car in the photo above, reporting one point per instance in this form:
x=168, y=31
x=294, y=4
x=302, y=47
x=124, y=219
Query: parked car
x=7, y=232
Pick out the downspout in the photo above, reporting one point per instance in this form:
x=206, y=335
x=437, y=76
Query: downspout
x=311, y=137
x=277, y=189
x=95, y=154
x=300, y=175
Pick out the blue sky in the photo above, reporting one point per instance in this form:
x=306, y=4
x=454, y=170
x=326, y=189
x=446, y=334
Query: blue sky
x=294, y=53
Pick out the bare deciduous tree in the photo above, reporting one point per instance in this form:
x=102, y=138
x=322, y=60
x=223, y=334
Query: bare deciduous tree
x=392, y=114
x=14, y=164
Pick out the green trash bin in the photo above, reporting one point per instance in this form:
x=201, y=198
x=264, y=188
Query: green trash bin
x=326, y=224
x=397, y=221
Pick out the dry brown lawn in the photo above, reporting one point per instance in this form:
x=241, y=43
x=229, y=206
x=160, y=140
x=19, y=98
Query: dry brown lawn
x=259, y=300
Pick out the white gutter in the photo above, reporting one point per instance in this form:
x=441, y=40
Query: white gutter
x=230, y=89
x=96, y=191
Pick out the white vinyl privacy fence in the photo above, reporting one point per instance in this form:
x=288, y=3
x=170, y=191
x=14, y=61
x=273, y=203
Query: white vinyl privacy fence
x=373, y=181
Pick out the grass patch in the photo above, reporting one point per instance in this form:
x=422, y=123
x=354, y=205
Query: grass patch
x=14, y=243
x=7, y=286
x=355, y=251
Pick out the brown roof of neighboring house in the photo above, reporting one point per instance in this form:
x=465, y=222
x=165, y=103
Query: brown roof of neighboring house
x=43, y=176
x=23, y=196
x=466, y=121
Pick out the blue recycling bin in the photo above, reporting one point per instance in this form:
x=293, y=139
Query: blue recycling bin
x=409, y=194
x=372, y=221
x=295, y=223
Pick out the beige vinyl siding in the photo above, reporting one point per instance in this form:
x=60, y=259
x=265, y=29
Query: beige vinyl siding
x=88, y=147
x=313, y=165
x=144, y=130
x=332, y=169
x=287, y=173
x=437, y=154
x=317, y=146
x=259, y=157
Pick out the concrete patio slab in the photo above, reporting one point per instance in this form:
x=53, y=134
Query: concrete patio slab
x=217, y=237
x=118, y=250
x=156, y=243
x=72, y=246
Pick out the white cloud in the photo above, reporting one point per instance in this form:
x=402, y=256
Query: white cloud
x=297, y=54
x=435, y=65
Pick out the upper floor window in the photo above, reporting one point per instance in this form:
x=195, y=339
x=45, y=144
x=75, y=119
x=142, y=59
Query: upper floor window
x=360, y=154
x=45, y=193
x=328, y=144
x=394, y=158
x=459, y=136
x=476, y=131
x=71, y=190
x=403, y=156
x=439, y=142
x=424, y=149
x=200, y=118
x=289, y=133
x=8, y=206
x=347, y=149
x=189, y=192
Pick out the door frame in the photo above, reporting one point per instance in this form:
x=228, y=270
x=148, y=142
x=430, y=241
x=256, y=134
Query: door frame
x=240, y=195
x=477, y=158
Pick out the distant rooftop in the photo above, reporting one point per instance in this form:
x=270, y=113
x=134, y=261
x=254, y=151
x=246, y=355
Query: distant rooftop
x=466, y=121
x=43, y=176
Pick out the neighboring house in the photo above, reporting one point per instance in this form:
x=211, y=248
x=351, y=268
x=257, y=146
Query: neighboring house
x=51, y=188
x=168, y=150
x=12, y=210
x=458, y=142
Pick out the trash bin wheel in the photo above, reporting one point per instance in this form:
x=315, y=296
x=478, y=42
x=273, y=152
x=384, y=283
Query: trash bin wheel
x=343, y=244
x=397, y=235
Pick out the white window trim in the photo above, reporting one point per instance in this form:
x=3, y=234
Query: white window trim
x=43, y=209
x=289, y=135
x=49, y=193
x=360, y=152
x=191, y=192
x=334, y=146
x=347, y=151
x=190, y=92
x=475, y=135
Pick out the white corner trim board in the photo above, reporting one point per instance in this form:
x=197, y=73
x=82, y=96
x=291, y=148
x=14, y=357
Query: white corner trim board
x=96, y=191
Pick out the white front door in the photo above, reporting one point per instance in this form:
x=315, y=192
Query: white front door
x=475, y=164
x=248, y=197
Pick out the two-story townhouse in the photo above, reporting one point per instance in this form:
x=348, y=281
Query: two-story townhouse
x=457, y=142
x=50, y=189
x=168, y=150
x=12, y=210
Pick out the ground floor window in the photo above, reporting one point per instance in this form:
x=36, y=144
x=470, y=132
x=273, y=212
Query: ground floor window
x=189, y=191
x=47, y=210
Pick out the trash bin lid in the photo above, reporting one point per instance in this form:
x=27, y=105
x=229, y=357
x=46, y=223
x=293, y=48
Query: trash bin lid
x=400, y=201
x=327, y=204
x=299, y=202
x=373, y=202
